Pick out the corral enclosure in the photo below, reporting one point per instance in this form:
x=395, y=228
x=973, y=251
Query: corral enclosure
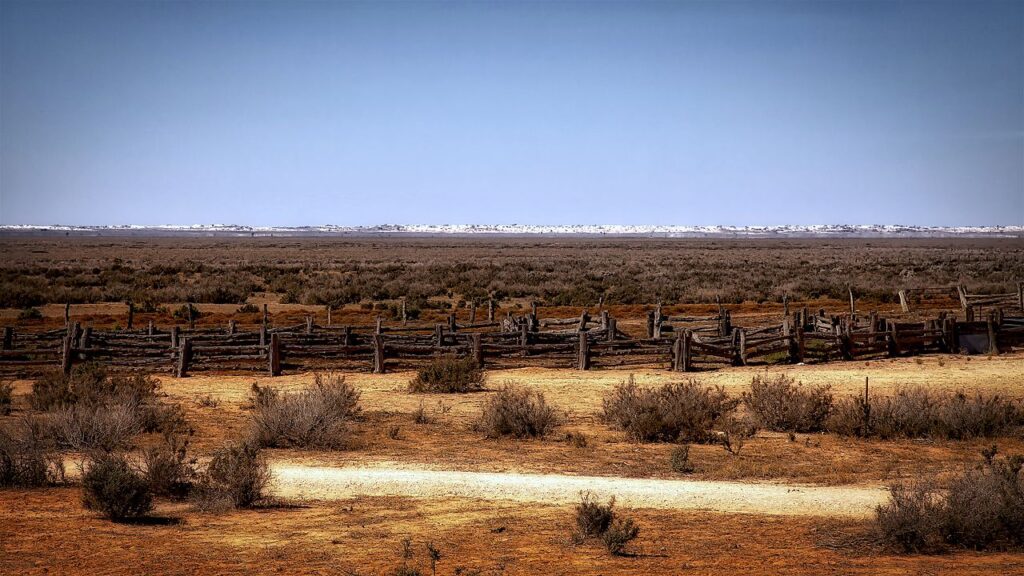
x=551, y=270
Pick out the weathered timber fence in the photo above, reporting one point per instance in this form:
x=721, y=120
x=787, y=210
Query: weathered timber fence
x=675, y=343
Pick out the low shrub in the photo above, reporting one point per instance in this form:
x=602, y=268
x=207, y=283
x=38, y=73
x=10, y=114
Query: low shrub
x=111, y=487
x=983, y=508
x=680, y=411
x=27, y=456
x=91, y=384
x=519, y=412
x=596, y=520
x=918, y=412
x=784, y=405
x=237, y=473
x=248, y=308
x=169, y=469
x=317, y=417
x=448, y=374
x=6, y=397
x=679, y=460
x=621, y=532
x=104, y=427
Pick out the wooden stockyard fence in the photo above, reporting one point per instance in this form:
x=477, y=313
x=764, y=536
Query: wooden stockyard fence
x=679, y=343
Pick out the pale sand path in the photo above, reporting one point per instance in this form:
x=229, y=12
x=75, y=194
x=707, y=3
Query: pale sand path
x=334, y=483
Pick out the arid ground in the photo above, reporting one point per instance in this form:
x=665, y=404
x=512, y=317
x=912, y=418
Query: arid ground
x=797, y=505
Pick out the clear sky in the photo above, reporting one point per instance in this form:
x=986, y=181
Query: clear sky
x=293, y=113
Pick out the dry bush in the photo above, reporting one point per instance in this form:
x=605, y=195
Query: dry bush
x=91, y=384
x=237, y=473
x=982, y=508
x=111, y=487
x=104, y=427
x=448, y=374
x=317, y=417
x=596, y=520
x=27, y=455
x=679, y=411
x=918, y=413
x=784, y=405
x=679, y=460
x=517, y=411
x=6, y=397
x=170, y=471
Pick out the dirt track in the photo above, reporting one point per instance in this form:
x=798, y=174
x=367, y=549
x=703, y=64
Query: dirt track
x=329, y=483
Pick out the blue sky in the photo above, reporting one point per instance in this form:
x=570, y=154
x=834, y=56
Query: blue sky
x=293, y=113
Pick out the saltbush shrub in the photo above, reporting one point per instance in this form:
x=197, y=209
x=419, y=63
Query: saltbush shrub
x=317, y=417
x=918, y=413
x=111, y=487
x=170, y=471
x=27, y=455
x=596, y=520
x=448, y=374
x=679, y=411
x=237, y=473
x=784, y=405
x=519, y=412
x=983, y=508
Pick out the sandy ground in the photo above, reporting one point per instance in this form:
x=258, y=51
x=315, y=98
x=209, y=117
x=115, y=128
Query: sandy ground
x=324, y=483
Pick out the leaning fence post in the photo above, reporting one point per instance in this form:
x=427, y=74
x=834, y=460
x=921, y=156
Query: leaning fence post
x=583, y=360
x=378, y=354
x=853, y=307
x=184, y=357
x=490, y=310
x=274, y=354
x=904, y=305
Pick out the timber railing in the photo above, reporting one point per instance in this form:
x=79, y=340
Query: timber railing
x=672, y=342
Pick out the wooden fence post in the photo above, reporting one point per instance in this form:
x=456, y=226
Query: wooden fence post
x=309, y=323
x=490, y=309
x=439, y=335
x=75, y=333
x=785, y=304
x=677, y=352
x=86, y=336
x=346, y=338
x=853, y=307
x=174, y=336
x=584, y=318
x=379, y=327
x=904, y=304
x=962, y=293
x=274, y=354
x=801, y=350
x=150, y=329
x=650, y=324
x=8, y=338
x=184, y=357
x=65, y=357
x=329, y=314
x=686, y=350
x=263, y=335
x=583, y=359
x=656, y=329
x=378, y=354
x=67, y=313
x=969, y=314
x=266, y=316
x=1020, y=295
x=405, y=317
x=891, y=338
x=524, y=336
x=191, y=317
x=990, y=325
x=472, y=312
x=452, y=326
x=534, y=322
x=610, y=329
x=231, y=327
x=131, y=315
x=604, y=319
x=478, y=349
x=741, y=352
